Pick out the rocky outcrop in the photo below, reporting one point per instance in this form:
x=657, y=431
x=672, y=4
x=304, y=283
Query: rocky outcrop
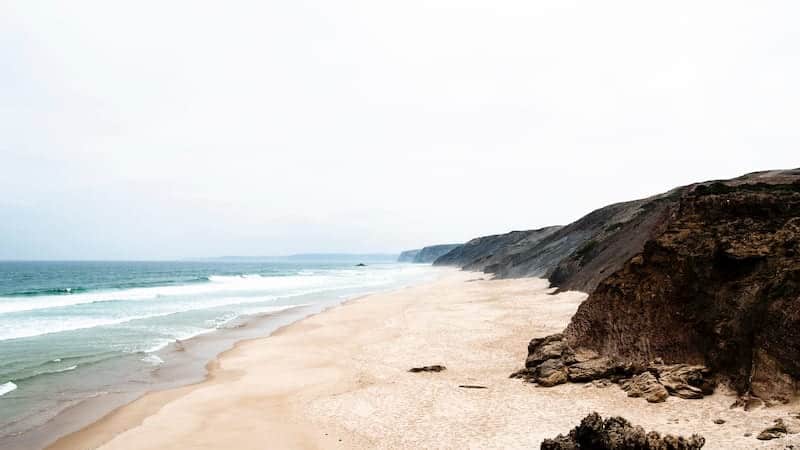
x=683, y=380
x=426, y=255
x=552, y=360
x=616, y=433
x=718, y=285
x=645, y=385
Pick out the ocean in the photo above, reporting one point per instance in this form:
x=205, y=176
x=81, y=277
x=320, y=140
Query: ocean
x=101, y=333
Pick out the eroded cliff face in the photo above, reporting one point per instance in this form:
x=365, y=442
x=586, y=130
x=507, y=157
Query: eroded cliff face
x=408, y=255
x=572, y=257
x=717, y=283
x=431, y=253
x=427, y=255
x=486, y=251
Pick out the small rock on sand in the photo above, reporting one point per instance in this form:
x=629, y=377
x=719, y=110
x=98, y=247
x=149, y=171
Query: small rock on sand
x=434, y=368
x=774, y=432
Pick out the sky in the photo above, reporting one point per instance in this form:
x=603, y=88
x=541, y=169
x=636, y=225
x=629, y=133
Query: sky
x=160, y=130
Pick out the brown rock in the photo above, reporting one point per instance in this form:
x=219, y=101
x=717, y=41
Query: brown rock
x=673, y=376
x=601, y=383
x=770, y=381
x=774, y=432
x=552, y=379
x=688, y=392
x=716, y=282
x=525, y=374
x=551, y=373
x=542, y=349
x=434, y=368
x=592, y=369
x=645, y=385
x=747, y=402
x=616, y=433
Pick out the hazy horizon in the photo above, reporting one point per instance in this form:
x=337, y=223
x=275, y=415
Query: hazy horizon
x=152, y=131
x=268, y=258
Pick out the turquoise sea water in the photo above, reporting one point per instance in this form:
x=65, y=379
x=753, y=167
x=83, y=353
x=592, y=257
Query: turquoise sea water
x=76, y=330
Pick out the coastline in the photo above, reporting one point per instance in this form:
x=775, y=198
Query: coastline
x=186, y=366
x=340, y=378
x=182, y=365
x=134, y=411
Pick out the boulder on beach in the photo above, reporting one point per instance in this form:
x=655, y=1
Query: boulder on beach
x=616, y=433
x=645, y=385
x=777, y=430
x=552, y=361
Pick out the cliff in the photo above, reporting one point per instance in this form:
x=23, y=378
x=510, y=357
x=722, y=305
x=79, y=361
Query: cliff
x=426, y=254
x=717, y=283
x=580, y=255
x=584, y=252
x=479, y=253
x=706, y=274
x=431, y=253
x=408, y=256
x=573, y=257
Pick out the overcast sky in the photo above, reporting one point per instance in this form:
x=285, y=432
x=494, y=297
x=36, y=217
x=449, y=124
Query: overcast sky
x=154, y=129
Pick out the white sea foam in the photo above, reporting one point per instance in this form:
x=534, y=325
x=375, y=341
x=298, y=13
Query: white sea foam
x=159, y=345
x=277, y=285
x=41, y=326
x=38, y=326
x=216, y=324
x=7, y=387
x=153, y=359
x=221, y=292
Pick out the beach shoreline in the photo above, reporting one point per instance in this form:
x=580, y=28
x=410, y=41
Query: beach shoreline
x=180, y=364
x=102, y=429
x=188, y=363
x=339, y=379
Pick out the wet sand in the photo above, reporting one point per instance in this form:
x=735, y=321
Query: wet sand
x=340, y=379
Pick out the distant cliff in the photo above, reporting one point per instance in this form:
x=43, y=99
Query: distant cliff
x=576, y=256
x=482, y=252
x=408, y=256
x=426, y=254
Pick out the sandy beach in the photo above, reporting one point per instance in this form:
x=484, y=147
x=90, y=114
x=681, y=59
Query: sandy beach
x=340, y=379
